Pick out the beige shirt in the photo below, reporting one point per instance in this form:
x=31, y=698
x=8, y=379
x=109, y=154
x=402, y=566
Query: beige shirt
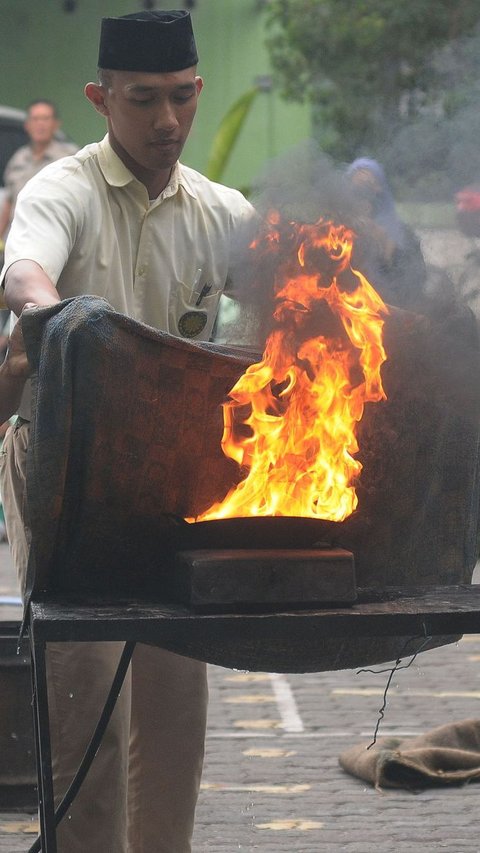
x=88, y=222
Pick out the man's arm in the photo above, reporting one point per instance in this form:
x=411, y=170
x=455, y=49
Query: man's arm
x=25, y=281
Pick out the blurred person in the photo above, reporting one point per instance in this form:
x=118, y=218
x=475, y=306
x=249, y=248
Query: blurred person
x=126, y=197
x=41, y=124
x=387, y=251
x=389, y=254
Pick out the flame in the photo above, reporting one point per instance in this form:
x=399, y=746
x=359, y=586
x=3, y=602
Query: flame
x=291, y=419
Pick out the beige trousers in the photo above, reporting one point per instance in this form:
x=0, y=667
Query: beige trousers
x=141, y=791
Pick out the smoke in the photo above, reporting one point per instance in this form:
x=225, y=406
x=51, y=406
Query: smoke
x=305, y=185
x=433, y=153
x=435, y=150
x=302, y=186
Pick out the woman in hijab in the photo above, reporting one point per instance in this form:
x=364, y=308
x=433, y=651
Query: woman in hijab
x=387, y=251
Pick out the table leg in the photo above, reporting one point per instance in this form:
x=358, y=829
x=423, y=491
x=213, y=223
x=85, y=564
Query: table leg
x=43, y=748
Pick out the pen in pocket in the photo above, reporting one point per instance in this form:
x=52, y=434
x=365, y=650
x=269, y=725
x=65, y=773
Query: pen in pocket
x=194, y=293
x=204, y=292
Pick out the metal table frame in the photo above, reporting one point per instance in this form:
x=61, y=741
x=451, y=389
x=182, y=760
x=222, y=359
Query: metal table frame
x=221, y=638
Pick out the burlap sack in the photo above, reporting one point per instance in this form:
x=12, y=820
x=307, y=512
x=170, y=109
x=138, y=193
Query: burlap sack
x=447, y=755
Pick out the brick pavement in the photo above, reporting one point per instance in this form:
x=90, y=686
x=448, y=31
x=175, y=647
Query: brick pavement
x=272, y=781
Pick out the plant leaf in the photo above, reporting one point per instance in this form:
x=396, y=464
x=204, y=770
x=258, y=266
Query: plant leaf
x=228, y=133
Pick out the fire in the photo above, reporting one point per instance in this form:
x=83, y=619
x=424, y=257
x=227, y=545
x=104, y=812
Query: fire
x=291, y=419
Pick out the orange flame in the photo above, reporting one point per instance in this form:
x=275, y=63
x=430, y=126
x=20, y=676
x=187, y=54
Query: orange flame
x=291, y=418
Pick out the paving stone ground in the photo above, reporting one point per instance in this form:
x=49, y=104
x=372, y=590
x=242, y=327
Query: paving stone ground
x=272, y=781
x=270, y=789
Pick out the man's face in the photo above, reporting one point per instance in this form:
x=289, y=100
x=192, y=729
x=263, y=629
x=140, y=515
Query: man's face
x=41, y=123
x=150, y=115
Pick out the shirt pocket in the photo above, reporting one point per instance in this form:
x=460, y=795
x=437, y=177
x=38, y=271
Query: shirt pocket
x=192, y=313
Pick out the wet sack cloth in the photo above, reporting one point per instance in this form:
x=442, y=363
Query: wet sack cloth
x=447, y=755
x=125, y=443
x=125, y=437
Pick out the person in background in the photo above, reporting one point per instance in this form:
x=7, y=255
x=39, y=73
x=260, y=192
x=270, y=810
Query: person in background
x=41, y=124
x=387, y=252
x=125, y=220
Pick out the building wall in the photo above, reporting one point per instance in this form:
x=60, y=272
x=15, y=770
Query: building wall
x=46, y=52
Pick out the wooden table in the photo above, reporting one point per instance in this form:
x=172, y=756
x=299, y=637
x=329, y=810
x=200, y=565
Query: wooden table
x=279, y=642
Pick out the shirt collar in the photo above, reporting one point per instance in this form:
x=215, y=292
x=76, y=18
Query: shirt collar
x=117, y=175
x=114, y=170
x=184, y=180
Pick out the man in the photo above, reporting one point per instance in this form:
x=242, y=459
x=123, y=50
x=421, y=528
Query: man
x=41, y=125
x=125, y=220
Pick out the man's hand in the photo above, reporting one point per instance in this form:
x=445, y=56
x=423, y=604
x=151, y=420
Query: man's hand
x=14, y=371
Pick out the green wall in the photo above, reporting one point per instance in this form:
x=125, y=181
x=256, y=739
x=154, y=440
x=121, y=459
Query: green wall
x=47, y=52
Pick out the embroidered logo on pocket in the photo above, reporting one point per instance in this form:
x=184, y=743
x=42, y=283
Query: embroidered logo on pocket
x=192, y=323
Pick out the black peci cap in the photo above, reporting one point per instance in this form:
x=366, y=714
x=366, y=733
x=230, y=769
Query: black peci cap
x=148, y=41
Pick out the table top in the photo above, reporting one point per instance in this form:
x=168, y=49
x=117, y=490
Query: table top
x=288, y=641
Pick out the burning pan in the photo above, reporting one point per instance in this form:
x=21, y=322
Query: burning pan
x=261, y=532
